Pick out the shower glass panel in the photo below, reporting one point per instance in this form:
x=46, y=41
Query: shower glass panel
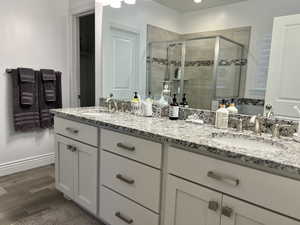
x=198, y=70
x=206, y=69
x=229, y=69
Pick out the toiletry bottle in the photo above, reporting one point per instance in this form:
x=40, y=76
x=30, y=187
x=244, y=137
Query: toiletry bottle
x=136, y=104
x=184, y=102
x=174, y=109
x=232, y=109
x=222, y=116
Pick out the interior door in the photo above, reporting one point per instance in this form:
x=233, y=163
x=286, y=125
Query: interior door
x=284, y=70
x=191, y=204
x=240, y=213
x=64, y=167
x=121, y=73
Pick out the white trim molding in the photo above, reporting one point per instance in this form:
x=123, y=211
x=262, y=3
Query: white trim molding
x=26, y=164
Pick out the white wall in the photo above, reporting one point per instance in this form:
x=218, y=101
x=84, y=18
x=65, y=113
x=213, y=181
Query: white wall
x=136, y=18
x=258, y=14
x=33, y=34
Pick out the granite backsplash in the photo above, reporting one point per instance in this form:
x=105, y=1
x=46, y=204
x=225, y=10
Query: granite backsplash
x=287, y=128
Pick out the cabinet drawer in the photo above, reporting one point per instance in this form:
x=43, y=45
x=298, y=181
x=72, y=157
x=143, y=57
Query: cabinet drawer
x=138, y=149
x=78, y=131
x=117, y=210
x=131, y=179
x=261, y=188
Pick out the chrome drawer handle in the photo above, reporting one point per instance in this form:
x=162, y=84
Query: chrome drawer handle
x=72, y=130
x=213, y=205
x=125, y=179
x=126, y=147
x=126, y=219
x=226, y=211
x=71, y=148
x=223, y=178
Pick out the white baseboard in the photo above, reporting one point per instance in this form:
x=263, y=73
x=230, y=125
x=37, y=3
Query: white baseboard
x=26, y=164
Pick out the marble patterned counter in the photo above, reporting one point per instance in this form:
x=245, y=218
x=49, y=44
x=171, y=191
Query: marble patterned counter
x=195, y=138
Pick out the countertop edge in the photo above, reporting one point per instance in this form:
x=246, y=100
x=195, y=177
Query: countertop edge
x=264, y=165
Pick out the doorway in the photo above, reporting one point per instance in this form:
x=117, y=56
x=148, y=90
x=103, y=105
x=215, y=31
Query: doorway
x=87, y=60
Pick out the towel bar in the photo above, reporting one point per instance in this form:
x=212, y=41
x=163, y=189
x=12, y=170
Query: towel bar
x=8, y=70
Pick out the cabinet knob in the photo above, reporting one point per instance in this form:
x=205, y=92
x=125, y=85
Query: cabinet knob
x=213, y=205
x=71, y=148
x=227, y=211
x=124, y=218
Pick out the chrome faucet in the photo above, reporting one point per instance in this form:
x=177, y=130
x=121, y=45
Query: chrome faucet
x=238, y=124
x=112, y=103
x=256, y=120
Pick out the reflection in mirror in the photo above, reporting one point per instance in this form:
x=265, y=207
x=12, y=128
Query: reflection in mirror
x=208, y=52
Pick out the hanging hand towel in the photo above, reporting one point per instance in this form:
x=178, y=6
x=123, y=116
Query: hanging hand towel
x=25, y=100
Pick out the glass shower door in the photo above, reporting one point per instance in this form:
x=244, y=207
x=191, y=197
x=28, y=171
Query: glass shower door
x=198, y=72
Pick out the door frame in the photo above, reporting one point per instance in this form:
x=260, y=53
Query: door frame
x=74, y=50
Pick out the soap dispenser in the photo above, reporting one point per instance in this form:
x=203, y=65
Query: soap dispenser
x=184, y=103
x=222, y=116
x=174, y=109
x=232, y=108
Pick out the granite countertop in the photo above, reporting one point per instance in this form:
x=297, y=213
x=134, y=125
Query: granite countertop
x=200, y=139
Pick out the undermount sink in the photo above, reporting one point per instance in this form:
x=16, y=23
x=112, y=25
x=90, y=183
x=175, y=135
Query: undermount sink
x=253, y=143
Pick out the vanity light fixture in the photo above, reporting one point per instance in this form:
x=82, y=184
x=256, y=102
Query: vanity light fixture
x=116, y=3
x=197, y=1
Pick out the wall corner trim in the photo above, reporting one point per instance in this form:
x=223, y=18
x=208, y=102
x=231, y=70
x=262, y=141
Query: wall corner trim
x=26, y=164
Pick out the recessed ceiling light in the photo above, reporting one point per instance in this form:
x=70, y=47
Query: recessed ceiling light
x=197, y=1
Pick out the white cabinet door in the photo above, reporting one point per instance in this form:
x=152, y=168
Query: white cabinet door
x=236, y=212
x=283, y=78
x=64, y=167
x=85, y=179
x=191, y=204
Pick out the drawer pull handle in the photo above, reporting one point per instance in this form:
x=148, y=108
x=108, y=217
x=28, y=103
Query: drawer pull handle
x=125, y=179
x=72, y=130
x=126, y=219
x=126, y=147
x=226, y=211
x=213, y=205
x=224, y=178
x=71, y=148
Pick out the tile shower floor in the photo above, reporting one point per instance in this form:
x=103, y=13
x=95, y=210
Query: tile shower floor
x=29, y=198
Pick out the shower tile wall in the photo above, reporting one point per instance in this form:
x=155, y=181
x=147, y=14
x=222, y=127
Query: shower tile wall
x=159, y=51
x=198, y=79
x=197, y=88
x=241, y=35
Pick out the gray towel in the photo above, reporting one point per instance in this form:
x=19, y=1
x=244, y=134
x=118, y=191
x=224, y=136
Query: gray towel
x=49, y=96
x=27, y=86
x=49, y=83
x=25, y=107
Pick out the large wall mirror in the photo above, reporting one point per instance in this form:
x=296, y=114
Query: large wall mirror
x=210, y=51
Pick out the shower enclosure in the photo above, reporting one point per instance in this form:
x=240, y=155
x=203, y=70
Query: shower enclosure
x=189, y=67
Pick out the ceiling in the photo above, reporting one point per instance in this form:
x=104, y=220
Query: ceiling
x=189, y=5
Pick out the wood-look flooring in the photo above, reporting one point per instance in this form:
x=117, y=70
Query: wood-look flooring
x=30, y=198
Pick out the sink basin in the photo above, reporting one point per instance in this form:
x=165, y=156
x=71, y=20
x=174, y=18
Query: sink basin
x=253, y=143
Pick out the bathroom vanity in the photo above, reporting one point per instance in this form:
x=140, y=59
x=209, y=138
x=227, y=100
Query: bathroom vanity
x=148, y=171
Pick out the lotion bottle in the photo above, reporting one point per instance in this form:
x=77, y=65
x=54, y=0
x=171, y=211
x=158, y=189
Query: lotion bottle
x=232, y=109
x=222, y=116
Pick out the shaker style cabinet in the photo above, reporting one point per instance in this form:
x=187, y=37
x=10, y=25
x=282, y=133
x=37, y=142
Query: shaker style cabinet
x=76, y=172
x=191, y=204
